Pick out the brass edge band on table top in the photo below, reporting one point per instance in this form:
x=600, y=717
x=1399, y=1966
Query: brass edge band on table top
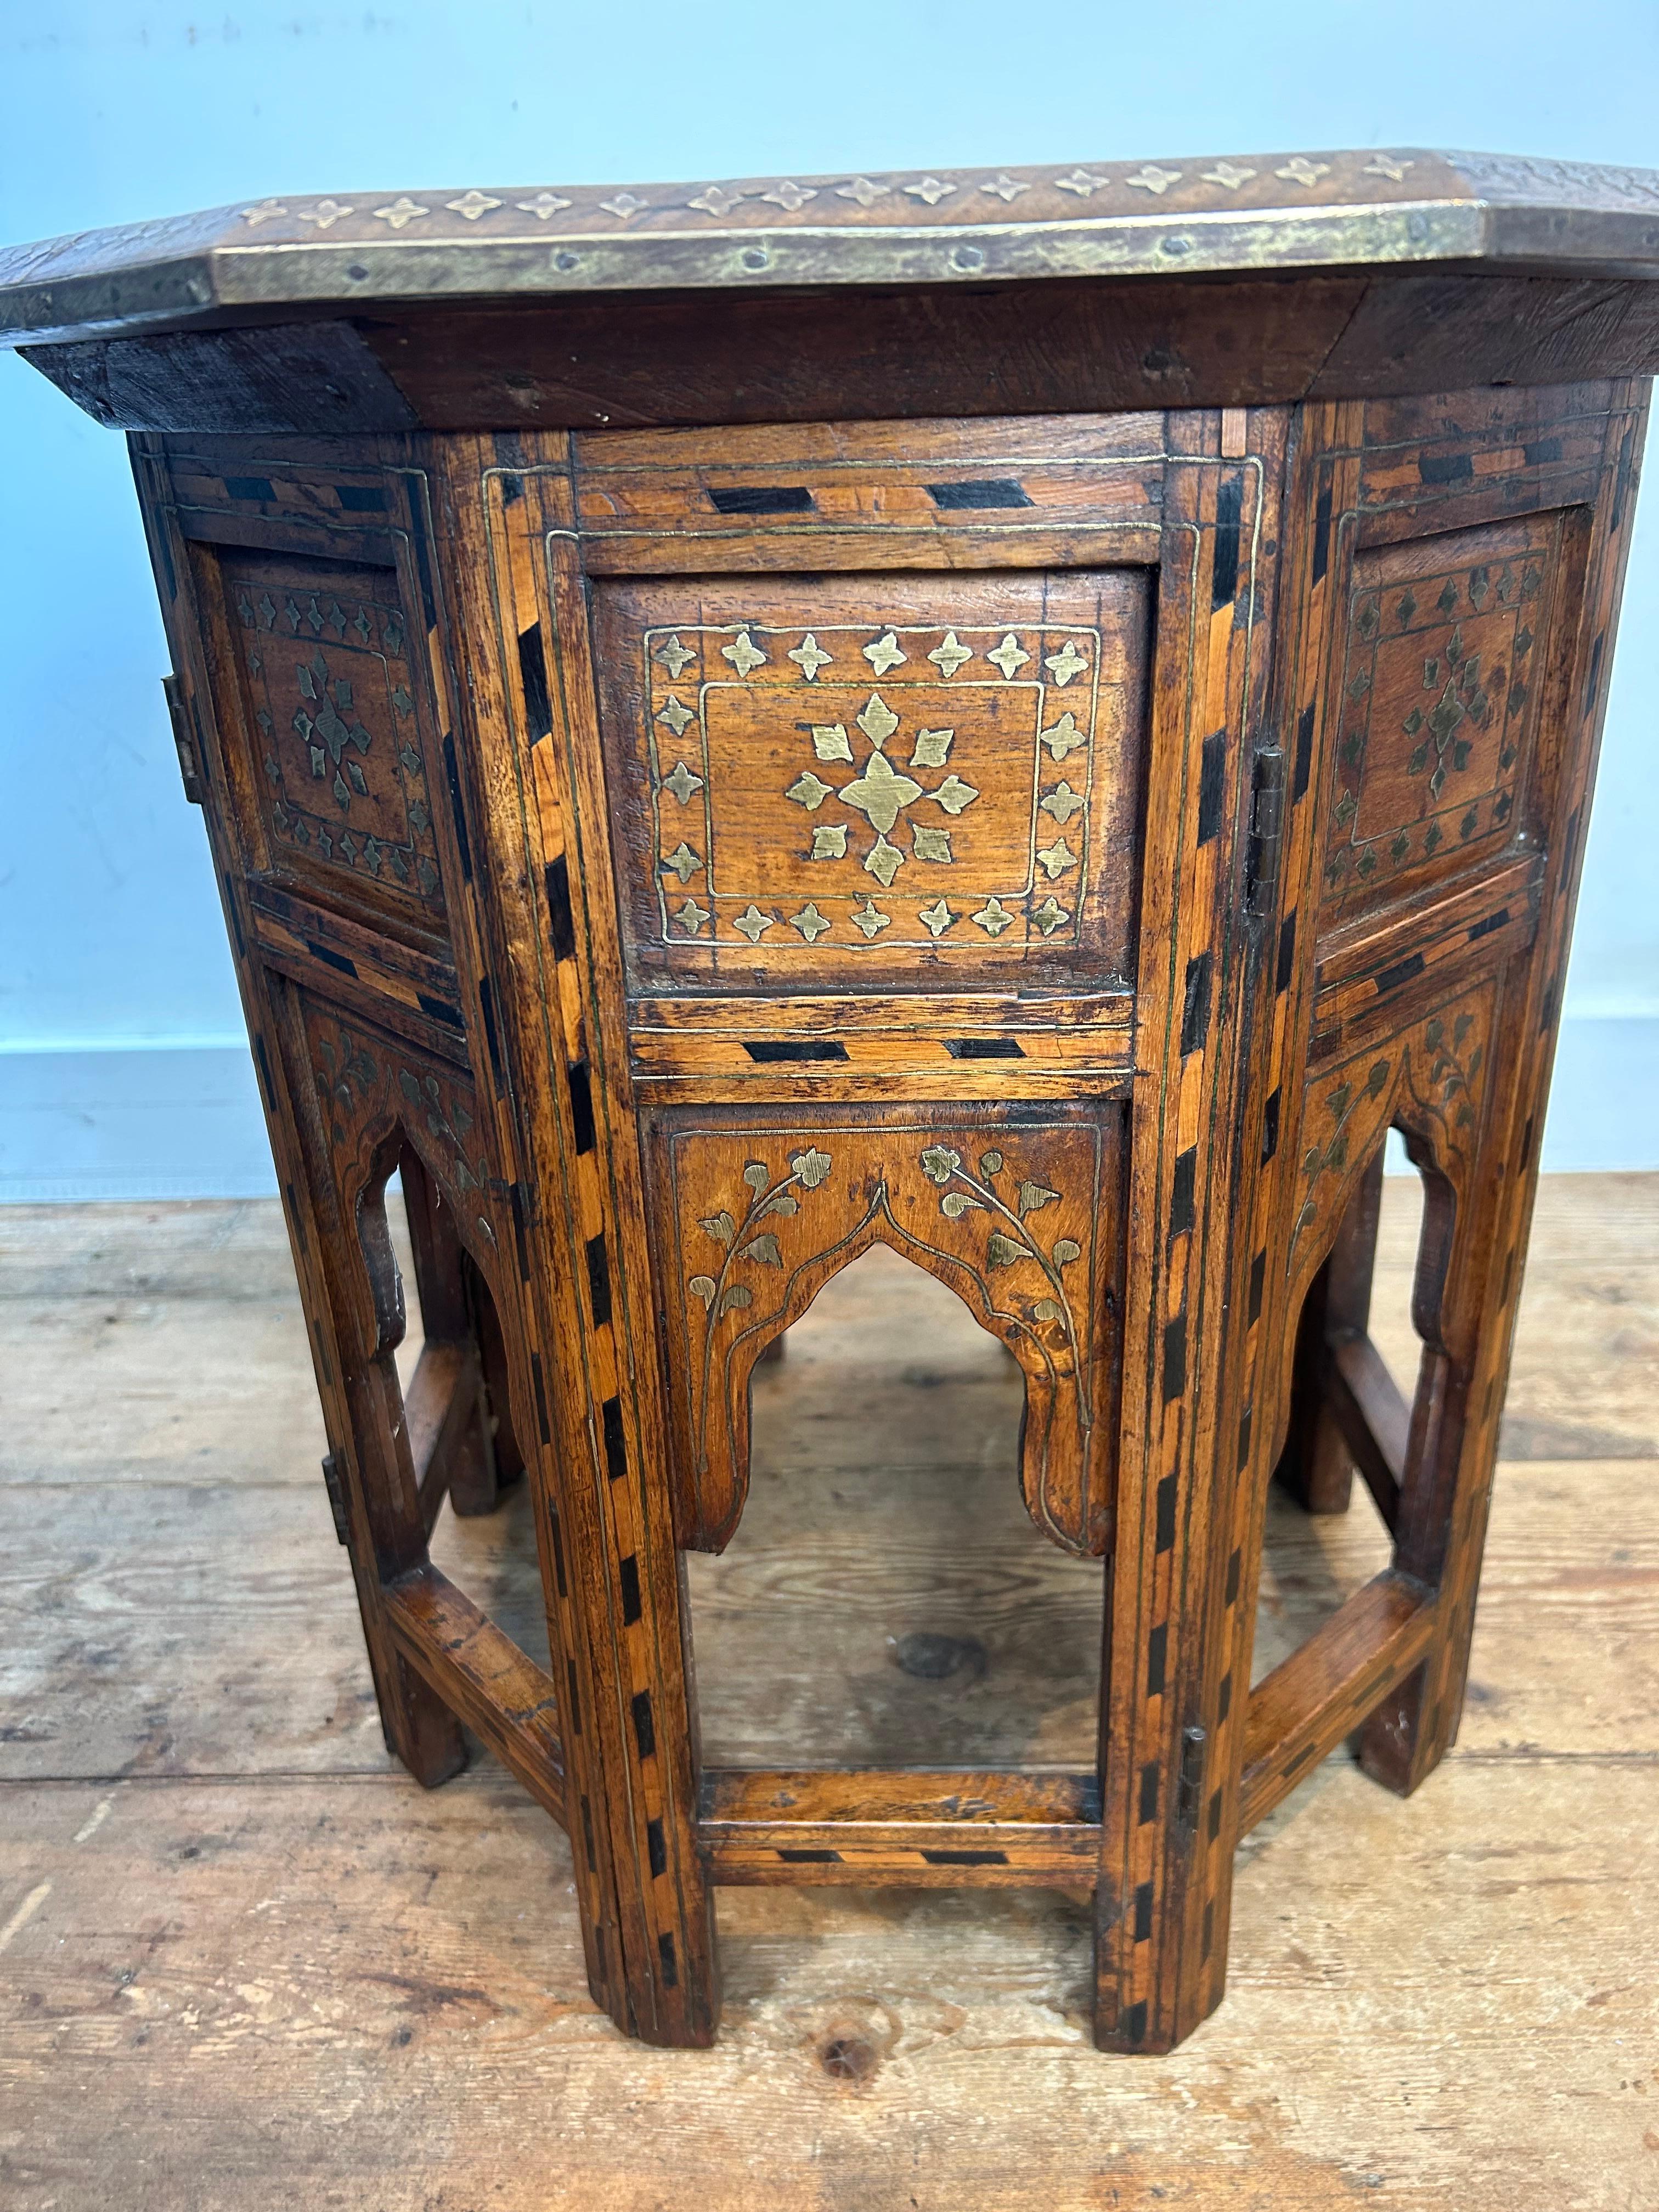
x=1253, y=213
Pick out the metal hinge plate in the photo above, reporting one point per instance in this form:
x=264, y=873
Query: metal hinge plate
x=183, y=737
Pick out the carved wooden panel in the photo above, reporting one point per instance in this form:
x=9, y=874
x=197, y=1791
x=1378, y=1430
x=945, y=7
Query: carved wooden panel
x=1441, y=685
x=1016, y=1209
x=336, y=786
x=883, y=781
x=368, y=1084
x=1431, y=1077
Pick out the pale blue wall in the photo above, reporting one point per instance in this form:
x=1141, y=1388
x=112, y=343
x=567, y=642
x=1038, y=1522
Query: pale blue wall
x=122, y=1070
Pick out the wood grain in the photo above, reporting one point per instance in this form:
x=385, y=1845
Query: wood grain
x=310, y=1979
x=1265, y=732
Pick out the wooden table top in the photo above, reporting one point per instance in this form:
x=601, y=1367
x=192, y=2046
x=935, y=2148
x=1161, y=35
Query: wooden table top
x=1185, y=216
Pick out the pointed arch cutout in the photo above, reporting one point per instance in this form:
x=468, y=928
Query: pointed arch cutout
x=1430, y=1083
x=1020, y=1216
x=386, y=1106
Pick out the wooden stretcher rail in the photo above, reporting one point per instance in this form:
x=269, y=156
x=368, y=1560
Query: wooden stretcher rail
x=483, y=1677
x=926, y=1829
x=437, y=1407
x=1322, y=1692
x=1374, y=1418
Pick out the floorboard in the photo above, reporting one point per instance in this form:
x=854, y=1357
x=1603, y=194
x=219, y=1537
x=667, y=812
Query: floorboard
x=245, y=1961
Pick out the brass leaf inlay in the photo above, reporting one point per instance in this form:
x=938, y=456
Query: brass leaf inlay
x=878, y=721
x=883, y=862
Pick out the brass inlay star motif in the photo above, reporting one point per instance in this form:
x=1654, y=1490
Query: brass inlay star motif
x=1009, y=657
x=994, y=917
x=1062, y=802
x=950, y=656
x=1064, y=737
x=674, y=657
x=1005, y=187
x=691, y=916
x=880, y=792
x=754, y=924
x=744, y=655
x=870, y=918
x=544, y=204
x=1302, y=171
x=809, y=657
x=1082, y=182
x=716, y=201
x=675, y=715
x=1066, y=664
x=1229, y=175
x=863, y=191
x=400, y=212
x=472, y=204
x=1153, y=178
x=886, y=653
x=936, y=919
x=810, y=922
x=683, y=862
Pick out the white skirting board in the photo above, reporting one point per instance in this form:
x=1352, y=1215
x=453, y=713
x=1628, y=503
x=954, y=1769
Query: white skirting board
x=184, y=1121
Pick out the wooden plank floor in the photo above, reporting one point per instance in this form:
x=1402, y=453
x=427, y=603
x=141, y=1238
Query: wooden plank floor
x=244, y=1961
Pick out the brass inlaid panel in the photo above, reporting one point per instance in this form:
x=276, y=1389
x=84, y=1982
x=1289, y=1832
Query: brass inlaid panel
x=849, y=778
x=337, y=781
x=1019, y=1213
x=1440, y=679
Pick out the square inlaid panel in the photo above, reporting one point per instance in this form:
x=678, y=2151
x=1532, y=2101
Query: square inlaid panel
x=885, y=780
x=1441, y=684
x=334, y=786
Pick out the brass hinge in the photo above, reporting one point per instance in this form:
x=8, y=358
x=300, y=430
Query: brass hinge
x=1189, y=1785
x=336, y=1495
x=183, y=737
x=1267, y=813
